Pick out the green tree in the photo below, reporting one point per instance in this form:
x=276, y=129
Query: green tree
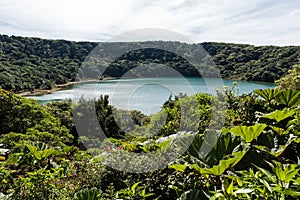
x=290, y=80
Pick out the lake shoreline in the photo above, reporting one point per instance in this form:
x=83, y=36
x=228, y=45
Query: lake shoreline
x=40, y=92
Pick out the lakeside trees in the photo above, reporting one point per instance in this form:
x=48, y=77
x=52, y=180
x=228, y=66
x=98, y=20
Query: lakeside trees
x=292, y=79
x=28, y=64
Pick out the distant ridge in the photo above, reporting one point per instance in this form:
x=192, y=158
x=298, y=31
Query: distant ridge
x=28, y=64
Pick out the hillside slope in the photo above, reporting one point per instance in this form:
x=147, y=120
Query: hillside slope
x=27, y=64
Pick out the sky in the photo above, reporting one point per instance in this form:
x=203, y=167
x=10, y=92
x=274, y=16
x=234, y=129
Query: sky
x=258, y=22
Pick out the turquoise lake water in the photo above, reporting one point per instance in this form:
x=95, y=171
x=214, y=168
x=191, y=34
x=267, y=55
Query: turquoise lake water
x=148, y=94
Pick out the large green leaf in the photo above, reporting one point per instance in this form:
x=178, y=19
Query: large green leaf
x=289, y=98
x=279, y=115
x=213, y=146
x=224, y=164
x=267, y=94
x=248, y=133
x=194, y=148
x=222, y=145
x=225, y=144
x=276, y=149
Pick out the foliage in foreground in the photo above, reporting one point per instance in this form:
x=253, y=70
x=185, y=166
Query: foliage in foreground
x=254, y=155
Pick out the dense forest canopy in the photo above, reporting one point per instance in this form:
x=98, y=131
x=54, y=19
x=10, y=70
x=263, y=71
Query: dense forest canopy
x=27, y=64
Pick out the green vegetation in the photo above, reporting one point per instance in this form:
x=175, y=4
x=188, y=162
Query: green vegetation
x=28, y=64
x=253, y=156
x=292, y=79
x=195, y=147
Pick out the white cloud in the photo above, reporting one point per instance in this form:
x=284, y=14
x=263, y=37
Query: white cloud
x=256, y=21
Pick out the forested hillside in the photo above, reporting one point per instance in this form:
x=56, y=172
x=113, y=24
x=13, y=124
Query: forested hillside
x=27, y=64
